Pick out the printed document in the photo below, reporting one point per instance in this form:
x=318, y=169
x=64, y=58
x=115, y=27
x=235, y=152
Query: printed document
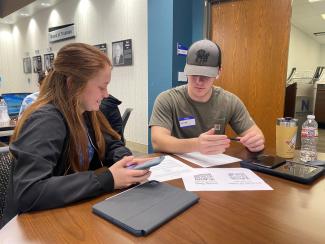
x=208, y=160
x=169, y=169
x=223, y=179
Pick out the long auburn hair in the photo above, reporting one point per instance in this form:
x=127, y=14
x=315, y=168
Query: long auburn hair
x=79, y=62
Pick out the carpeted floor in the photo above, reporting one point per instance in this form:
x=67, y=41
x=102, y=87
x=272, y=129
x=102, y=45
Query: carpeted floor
x=139, y=154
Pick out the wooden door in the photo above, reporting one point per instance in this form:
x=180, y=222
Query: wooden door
x=254, y=38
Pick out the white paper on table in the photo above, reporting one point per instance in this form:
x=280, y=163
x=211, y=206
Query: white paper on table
x=208, y=160
x=169, y=169
x=223, y=179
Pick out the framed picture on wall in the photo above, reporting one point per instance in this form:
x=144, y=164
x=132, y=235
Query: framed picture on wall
x=48, y=61
x=102, y=47
x=122, y=52
x=37, y=64
x=27, y=64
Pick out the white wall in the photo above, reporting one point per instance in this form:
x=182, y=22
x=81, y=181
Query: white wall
x=322, y=55
x=322, y=63
x=7, y=58
x=96, y=21
x=304, y=52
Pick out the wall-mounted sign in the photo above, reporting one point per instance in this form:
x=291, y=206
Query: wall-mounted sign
x=48, y=61
x=122, y=52
x=182, y=76
x=37, y=64
x=27, y=64
x=303, y=105
x=102, y=47
x=181, y=49
x=60, y=33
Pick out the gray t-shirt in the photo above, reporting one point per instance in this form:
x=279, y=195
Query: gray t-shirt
x=185, y=118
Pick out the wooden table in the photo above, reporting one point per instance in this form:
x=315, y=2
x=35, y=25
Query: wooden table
x=291, y=213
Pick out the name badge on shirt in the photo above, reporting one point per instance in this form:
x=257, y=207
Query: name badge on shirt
x=186, y=122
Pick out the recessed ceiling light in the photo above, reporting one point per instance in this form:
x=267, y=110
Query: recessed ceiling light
x=46, y=4
x=319, y=33
x=24, y=14
x=313, y=1
x=323, y=16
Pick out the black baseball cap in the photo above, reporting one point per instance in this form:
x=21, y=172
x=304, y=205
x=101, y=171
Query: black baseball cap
x=203, y=58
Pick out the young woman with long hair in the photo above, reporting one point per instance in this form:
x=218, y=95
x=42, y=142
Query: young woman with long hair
x=64, y=150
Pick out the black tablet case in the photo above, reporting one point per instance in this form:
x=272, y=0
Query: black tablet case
x=307, y=180
x=144, y=208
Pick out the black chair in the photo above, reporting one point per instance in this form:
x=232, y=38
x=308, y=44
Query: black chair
x=5, y=171
x=125, y=117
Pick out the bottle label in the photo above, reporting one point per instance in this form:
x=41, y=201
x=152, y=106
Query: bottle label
x=308, y=133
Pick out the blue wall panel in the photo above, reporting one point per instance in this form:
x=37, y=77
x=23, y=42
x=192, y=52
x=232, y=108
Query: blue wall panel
x=197, y=19
x=169, y=22
x=182, y=32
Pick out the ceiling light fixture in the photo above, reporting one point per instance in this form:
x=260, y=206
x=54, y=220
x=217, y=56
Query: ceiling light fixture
x=323, y=16
x=319, y=33
x=314, y=1
x=46, y=4
x=24, y=14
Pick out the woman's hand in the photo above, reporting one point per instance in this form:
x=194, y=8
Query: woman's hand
x=124, y=177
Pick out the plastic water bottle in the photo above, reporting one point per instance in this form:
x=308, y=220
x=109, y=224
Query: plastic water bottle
x=309, y=137
x=4, y=117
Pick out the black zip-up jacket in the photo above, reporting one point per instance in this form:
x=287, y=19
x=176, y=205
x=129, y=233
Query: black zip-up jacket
x=40, y=161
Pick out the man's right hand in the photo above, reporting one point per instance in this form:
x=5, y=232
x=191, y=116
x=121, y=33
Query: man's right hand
x=209, y=143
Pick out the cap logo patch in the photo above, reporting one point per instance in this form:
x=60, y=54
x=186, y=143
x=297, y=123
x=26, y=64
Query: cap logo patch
x=201, y=56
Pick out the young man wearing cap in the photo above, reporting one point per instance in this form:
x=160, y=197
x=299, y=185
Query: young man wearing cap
x=183, y=118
